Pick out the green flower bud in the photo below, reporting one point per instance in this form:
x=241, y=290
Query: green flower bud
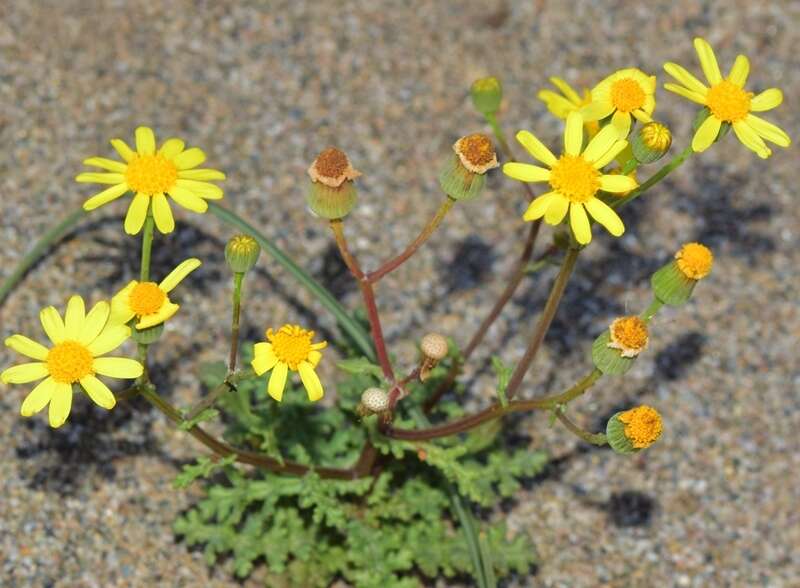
x=651, y=142
x=242, y=253
x=147, y=336
x=487, y=93
x=463, y=176
x=332, y=194
x=632, y=430
x=674, y=283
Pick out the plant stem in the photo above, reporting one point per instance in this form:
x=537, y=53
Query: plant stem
x=356, y=332
x=223, y=449
x=51, y=236
x=147, y=246
x=228, y=384
x=492, y=412
x=238, y=278
x=670, y=166
x=651, y=310
x=424, y=235
x=593, y=438
x=549, y=312
x=500, y=136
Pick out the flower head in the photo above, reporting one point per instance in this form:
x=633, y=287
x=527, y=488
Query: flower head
x=487, y=94
x=642, y=425
x=289, y=348
x=476, y=153
x=728, y=102
x=560, y=105
x=694, y=260
x=575, y=178
x=332, y=193
x=152, y=176
x=241, y=253
x=623, y=94
x=149, y=302
x=74, y=358
x=629, y=335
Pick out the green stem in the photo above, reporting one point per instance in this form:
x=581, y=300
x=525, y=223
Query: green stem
x=500, y=136
x=668, y=168
x=147, y=247
x=593, y=438
x=651, y=310
x=238, y=278
x=356, y=332
x=53, y=235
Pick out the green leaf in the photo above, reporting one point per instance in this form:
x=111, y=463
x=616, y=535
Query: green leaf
x=503, y=376
x=202, y=468
x=206, y=415
x=360, y=365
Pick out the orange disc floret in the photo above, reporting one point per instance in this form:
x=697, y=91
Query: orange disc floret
x=629, y=334
x=694, y=260
x=69, y=361
x=146, y=298
x=476, y=153
x=643, y=425
x=291, y=344
x=332, y=168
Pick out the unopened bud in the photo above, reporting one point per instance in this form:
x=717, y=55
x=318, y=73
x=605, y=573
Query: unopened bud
x=332, y=193
x=434, y=349
x=674, y=283
x=464, y=175
x=651, y=142
x=633, y=430
x=487, y=93
x=242, y=253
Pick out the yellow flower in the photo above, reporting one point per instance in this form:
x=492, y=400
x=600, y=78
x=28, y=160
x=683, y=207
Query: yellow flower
x=152, y=175
x=569, y=100
x=628, y=334
x=728, y=102
x=694, y=260
x=575, y=178
x=624, y=93
x=78, y=342
x=149, y=302
x=642, y=426
x=290, y=348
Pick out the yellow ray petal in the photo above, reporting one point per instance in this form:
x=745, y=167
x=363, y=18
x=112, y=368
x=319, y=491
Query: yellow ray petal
x=52, y=324
x=609, y=155
x=573, y=134
x=539, y=206
x=739, y=71
x=162, y=214
x=556, y=211
x=606, y=216
x=188, y=199
x=601, y=143
x=314, y=357
x=706, y=134
x=105, y=196
x=95, y=322
x=137, y=212
x=617, y=183
x=202, y=189
x=684, y=77
x=98, y=392
x=311, y=381
x=264, y=358
x=201, y=174
x=189, y=158
x=112, y=337
x=277, y=381
x=177, y=275
x=580, y=223
x=536, y=148
x=109, y=164
x=121, y=312
x=38, y=397
x=171, y=147
x=768, y=131
x=766, y=100
x=751, y=139
x=27, y=347
x=597, y=110
x=566, y=89
x=74, y=317
x=525, y=172
x=100, y=178
x=24, y=373
x=145, y=141
x=708, y=61
x=123, y=149
x=166, y=312
x=117, y=367
x=686, y=93
x=558, y=105
x=60, y=404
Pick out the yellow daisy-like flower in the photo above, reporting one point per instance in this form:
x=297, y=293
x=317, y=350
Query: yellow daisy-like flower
x=290, y=348
x=78, y=342
x=149, y=302
x=575, y=178
x=728, y=102
x=625, y=93
x=152, y=175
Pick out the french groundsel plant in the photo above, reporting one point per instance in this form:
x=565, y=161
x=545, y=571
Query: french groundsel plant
x=377, y=485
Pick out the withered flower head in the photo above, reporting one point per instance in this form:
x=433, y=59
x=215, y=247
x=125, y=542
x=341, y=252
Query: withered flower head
x=332, y=168
x=476, y=153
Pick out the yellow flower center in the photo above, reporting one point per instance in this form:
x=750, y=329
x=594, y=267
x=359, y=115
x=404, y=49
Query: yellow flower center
x=630, y=332
x=69, y=361
x=642, y=426
x=291, y=344
x=728, y=102
x=694, y=260
x=146, y=298
x=575, y=178
x=627, y=95
x=151, y=174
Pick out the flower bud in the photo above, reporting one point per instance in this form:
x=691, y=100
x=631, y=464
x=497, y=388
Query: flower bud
x=487, y=93
x=242, y=253
x=434, y=349
x=463, y=176
x=674, y=283
x=629, y=335
x=651, y=142
x=633, y=430
x=332, y=193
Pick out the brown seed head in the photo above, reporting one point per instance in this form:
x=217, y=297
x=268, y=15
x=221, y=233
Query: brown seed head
x=375, y=400
x=332, y=168
x=476, y=153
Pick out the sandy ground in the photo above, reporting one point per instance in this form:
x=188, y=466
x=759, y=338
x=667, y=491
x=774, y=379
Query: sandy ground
x=262, y=87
